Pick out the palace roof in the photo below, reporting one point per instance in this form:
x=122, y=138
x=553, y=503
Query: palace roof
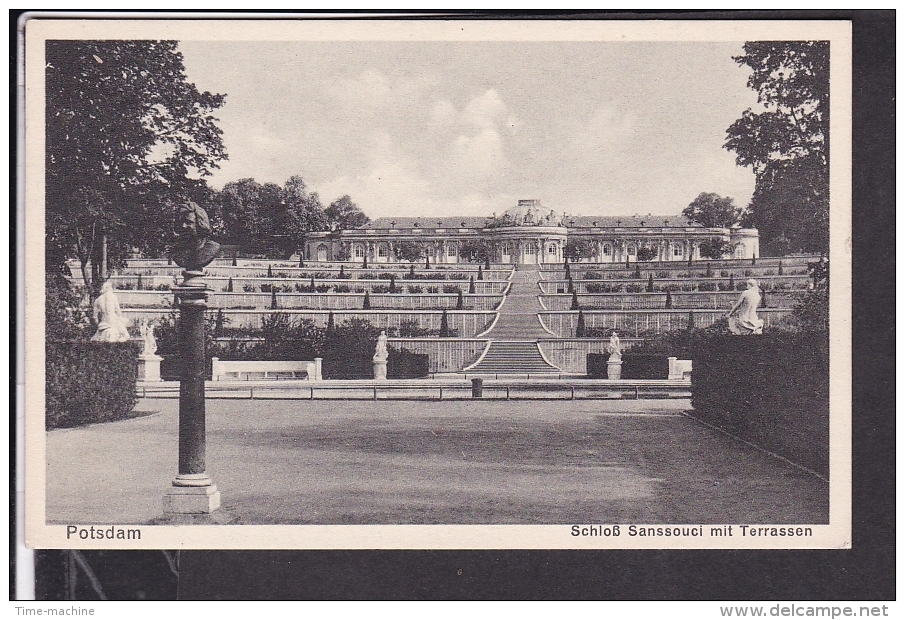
x=580, y=221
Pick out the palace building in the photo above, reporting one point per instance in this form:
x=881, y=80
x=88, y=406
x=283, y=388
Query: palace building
x=529, y=234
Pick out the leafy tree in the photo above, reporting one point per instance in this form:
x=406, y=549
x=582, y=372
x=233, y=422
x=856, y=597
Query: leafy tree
x=714, y=248
x=410, y=251
x=246, y=212
x=66, y=315
x=127, y=136
x=269, y=219
x=476, y=250
x=343, y=214
x=303, y=214
x=578, y=248
x=787, y=145
x=713, y=211
x=646, y=254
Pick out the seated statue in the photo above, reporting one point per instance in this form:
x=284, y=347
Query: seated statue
x=194, y=249
x=112, y=326
x=743, y=315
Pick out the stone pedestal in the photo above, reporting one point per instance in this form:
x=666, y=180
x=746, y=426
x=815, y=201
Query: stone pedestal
x=191, y=500
x=380, y=370
x=614, y=369
x=149, y=367
x=192, y=491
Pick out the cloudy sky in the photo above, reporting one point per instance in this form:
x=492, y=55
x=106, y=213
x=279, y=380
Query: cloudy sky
x=442, y=128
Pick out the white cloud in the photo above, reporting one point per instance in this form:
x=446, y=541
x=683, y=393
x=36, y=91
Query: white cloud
x=475, y=159
x=485, y=111
x=444, y=113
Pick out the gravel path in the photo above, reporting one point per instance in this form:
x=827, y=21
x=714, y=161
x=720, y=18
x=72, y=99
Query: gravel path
x=333, y=462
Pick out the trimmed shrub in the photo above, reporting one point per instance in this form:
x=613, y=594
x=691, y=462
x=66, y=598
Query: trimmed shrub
x=402, y=364
x=644, y=366
x=634, y=366
x=580, y=328
x=575, y=304
x=460, y=304
x=772, y=390
x=349, y=352
x=597, y=365
x=366, y=305
x=89, y=382
x=650, y=283
x=471, y=288
x=444, y=325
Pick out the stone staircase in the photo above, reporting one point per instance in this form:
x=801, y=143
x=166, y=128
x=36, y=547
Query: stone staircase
x=521, y=358
x=518, y=316
x=514, y=348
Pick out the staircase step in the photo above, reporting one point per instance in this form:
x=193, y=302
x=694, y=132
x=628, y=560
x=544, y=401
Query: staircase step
x=514, y=357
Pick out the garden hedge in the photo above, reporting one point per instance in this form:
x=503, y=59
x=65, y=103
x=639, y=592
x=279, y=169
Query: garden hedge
x=772, y=390
x=88, y=382
x=634, y=366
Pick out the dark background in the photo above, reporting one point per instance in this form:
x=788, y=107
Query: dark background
x=865, y=572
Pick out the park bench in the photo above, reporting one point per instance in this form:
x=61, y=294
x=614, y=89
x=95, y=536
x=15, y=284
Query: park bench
x=265, y=370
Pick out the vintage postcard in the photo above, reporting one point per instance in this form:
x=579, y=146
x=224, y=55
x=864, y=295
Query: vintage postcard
x=437, y=284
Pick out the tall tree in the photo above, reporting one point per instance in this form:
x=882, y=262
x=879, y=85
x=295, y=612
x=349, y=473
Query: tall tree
x=578, y=248
x=477, y=250
x=787, y=144
x=269, y=219
x=411, y=251
x=713, y=211
x=343, y=214
x=244, y=215
x=127, y=136
x=304, y=213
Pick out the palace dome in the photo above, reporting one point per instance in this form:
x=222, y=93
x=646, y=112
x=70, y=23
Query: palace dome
x=531, y=213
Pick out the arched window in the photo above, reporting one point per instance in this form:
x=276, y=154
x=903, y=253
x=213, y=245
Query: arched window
x=322, y=252
x=359, y=251
x=552, y=249
x=740, y=251
x=452, y=250
x=607, y=249
x=632, y=250
x=529, y=248
x=506, y=249
x=429, y=250
x=382, y=250
x=676, y=250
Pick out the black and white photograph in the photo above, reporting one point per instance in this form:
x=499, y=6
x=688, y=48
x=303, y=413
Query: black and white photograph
x=438, y=284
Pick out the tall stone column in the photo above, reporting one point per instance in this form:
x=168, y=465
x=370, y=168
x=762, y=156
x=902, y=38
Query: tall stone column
x=192, y=491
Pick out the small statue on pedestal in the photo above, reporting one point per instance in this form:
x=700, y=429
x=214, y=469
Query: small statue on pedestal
x=380, y=357
x=614, y=348
x=148, y=360
x=614, y=363
x=147, y=335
